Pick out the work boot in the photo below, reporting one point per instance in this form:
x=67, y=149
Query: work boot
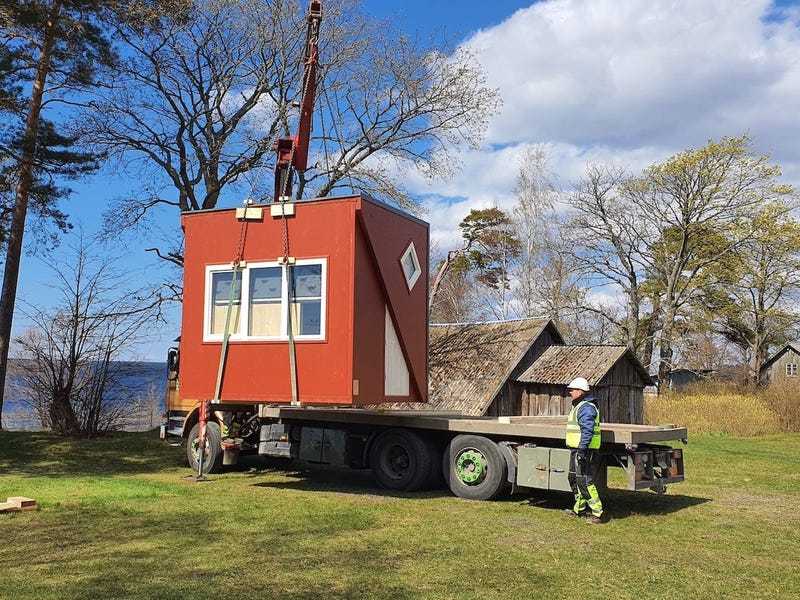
x=594, y=520
x=572, y=513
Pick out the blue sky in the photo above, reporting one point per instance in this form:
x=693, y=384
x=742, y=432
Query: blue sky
x=622, y=81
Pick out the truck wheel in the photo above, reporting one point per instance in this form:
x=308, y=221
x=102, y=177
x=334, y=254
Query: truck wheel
x=474, y=468
x=212, y=461
x=400, y=460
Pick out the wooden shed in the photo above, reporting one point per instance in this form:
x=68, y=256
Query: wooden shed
x=473, y=365
x=783, y=367
x=359, y=307
x=615, y=374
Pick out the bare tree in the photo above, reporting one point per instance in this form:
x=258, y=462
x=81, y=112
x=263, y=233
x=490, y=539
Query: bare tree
x=70, y=353
x=603, y=242
x=545, y=275
x=207, y=87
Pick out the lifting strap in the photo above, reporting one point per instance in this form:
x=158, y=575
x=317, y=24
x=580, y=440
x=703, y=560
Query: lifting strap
x=226, y=332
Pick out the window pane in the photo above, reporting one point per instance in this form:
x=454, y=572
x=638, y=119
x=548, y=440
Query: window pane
x=306, y=317
x=218, y=314
x=265, y=301
x=221, y=286
x=307, y=281
x=265, y=318
x=265, y=283
x=409, y=265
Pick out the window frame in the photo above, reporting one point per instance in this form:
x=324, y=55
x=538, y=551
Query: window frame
x=209, y=303
x=244, y=303
x=791, y=369
x=411, y=250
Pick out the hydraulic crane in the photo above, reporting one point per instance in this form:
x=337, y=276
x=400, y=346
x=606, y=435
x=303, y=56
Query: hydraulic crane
x=292, y=151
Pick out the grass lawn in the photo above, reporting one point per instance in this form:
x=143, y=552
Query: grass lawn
x=118, y=520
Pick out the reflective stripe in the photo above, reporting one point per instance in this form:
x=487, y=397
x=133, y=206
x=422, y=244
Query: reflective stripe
x=573, y=438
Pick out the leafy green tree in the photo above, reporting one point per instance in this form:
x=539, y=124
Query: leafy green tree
x=754, y=300
x=54, y=51
x=490, y=245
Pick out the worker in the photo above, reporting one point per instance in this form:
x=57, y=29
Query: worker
x=583, y=439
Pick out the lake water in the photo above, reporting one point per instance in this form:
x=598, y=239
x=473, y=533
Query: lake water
x=143, y=384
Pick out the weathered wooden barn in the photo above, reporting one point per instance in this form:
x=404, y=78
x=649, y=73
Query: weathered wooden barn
x=783, y=367
x=522, y=367
x=473, y=367
x=616, y=377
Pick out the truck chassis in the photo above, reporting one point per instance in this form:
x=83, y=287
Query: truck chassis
x=479, y=458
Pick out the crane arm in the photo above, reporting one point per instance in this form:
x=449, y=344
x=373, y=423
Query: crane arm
x=292, y=152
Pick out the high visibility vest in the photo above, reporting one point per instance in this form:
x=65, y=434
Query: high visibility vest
x=574, y=428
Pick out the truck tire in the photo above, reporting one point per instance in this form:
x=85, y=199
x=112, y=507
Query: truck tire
x=474, y=468
x=400, y=460
x=212, y=462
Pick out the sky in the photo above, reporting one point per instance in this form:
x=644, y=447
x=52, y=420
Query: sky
x=626, y=82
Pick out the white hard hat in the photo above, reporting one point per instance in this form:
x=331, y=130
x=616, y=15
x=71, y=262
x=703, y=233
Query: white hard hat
x=579, y=383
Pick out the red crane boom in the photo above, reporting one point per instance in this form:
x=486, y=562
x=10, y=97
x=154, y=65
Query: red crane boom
x=292, y=152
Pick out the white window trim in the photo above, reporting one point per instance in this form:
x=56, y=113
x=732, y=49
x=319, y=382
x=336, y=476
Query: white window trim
x=207, y=304
x=411, y=250
x=244, y=310
x=791, y=369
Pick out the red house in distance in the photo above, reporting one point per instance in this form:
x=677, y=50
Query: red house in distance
x=359, y=312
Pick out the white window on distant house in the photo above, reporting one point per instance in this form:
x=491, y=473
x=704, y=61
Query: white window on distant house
x=410, y=264
x=791, y=369
x=265, y=315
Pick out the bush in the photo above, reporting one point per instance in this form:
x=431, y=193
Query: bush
x=728, y=409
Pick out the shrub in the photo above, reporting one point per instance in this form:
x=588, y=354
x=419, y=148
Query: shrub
x=723, y=408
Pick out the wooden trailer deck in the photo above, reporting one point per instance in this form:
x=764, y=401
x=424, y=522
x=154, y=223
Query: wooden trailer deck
x=519, y=427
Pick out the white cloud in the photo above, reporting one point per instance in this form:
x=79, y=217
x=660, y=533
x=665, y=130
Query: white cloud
x=629, y=82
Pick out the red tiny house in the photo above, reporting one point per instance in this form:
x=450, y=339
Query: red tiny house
x=359, y=312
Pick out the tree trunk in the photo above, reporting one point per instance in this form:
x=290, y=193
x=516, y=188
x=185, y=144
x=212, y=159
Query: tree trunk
x=665, y=351
x=437, y=281
x=27, y=158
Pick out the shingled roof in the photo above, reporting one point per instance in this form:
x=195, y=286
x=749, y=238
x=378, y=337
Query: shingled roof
x=561, y=364
x=790, y=346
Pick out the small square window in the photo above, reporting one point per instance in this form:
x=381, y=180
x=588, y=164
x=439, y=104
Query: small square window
x=410, y=264
x=791, y=369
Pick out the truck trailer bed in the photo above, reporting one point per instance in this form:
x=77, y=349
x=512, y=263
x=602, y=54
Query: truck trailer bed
x=526, y=428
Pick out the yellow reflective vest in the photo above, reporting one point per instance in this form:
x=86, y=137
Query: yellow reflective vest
x=574, y=428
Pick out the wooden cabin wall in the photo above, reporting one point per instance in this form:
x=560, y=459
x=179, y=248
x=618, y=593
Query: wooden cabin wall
x=619, y=395
x=545, y=400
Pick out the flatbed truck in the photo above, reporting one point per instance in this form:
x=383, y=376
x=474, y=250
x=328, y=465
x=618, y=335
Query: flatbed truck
x=478, y=458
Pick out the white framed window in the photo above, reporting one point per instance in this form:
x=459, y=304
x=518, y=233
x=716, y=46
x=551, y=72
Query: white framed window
x=410, y=265
x=791, y=369
x=218, y=294
x=265, y=313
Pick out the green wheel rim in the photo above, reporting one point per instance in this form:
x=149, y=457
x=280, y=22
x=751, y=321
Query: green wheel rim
x=471, y=466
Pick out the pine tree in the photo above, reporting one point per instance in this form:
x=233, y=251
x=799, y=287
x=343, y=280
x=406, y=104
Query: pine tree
x=54, y=52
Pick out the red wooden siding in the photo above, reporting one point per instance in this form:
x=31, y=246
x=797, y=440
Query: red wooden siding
x=258, y=371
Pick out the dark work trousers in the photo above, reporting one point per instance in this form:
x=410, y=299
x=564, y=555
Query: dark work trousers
x=582, y=477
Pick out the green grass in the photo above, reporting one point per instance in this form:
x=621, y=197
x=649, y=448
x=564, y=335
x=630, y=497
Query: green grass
x=118, y=520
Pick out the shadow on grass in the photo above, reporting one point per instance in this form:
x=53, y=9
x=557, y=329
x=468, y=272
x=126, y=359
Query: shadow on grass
x=44, y=454
x=341, y=481
x=621, y=504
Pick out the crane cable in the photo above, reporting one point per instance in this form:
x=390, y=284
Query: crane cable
x=287, y=261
